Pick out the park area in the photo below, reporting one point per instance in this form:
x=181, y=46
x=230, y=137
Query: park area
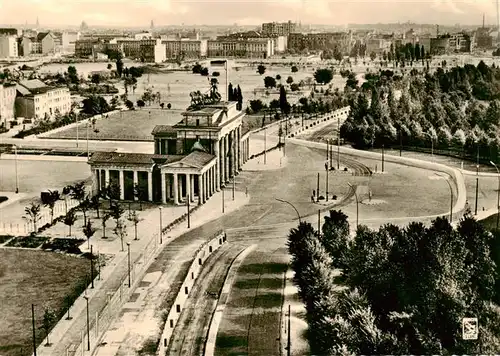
x=174, y=88
x=45, y=279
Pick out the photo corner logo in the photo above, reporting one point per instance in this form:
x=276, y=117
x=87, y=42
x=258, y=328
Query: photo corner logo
x=470, y=329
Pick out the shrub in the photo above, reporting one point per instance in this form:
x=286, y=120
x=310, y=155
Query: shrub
x=64, y=245
x=27, y=241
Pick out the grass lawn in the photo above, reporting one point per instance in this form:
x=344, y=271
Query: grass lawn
x=490, y=222
x=251, y=320
x=21, y=285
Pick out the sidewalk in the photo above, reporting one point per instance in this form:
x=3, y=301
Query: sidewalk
x=68, y=334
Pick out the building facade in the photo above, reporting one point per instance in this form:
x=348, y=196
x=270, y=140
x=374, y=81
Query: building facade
x=8, y=47
x=278, y=29
x=7, y=102
x=69, y=40
x=185, y=48
x=320, y=41
x=241, y=48
x=192, y=159
x=36, y=100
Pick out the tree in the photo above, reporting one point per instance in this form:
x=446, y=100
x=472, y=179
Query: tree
x=239, y=97
x=215, y=74
x=141, y=103
x=96, y=78
x=295, y=69
x=289, y=80
x=95, y=203
x=119, y=65
x=323, y=76
x=283, y=102
x=73, y=75
x=134, y=219
x=94, y=105
x=89, y=231
x=373, y=55
x=269, y=82
x=204, y=72
x=256, y=105
x=120, y=230
x=52, y=198
x=84, y=206
x=141, y=193
x=230, y=92
x=278, y=77
x=162, y=105
x=33, y=215
x=70, y=219
x=104, y=219
x=197, y=68
x=114, y=102
x=49, y=317
x=129, y=104
x=261, y=69
x=294, y=87
x=116, y=212
x=109, y=66
x=169, y=106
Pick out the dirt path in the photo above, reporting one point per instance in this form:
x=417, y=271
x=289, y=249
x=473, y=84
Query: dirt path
x=191, y=330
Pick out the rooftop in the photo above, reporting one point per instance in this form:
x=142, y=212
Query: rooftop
x=197, y=159
x=131, y=158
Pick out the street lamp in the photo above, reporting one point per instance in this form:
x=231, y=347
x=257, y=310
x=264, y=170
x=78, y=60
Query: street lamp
x=338, y=142
x=88, y=323
x=33, y=323
x=15, y=164
x=357, y=203
x=451, y=194
x=161, y=227
x=293, y=206
x=432, y=143
x=128, y=260
x=498, y=192
x=88, y=155
x=188, y=214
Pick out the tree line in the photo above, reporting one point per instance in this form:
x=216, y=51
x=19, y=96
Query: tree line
x=457, y=110
x=397, y=290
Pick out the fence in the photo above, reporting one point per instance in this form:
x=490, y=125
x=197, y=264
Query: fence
x=196, y=266
x=102, y=320
x=26, y=227
x=341, y=113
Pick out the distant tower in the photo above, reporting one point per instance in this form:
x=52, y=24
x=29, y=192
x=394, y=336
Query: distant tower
x=152, y=25
x=437, y=30
x=37, y=22
x=84, y=26
x=483, y=19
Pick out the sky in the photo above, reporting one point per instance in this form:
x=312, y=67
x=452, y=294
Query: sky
x=244, y=12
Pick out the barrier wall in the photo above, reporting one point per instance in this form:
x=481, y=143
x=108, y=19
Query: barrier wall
x=342, y=114
x=194, y=270
x=455, y=174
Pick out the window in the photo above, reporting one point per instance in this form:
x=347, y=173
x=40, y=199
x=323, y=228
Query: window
x=197, y=122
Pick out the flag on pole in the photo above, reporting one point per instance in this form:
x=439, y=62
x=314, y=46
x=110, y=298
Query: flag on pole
x=218, y=63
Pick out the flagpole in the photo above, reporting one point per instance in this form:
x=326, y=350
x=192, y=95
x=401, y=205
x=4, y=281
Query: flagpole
x=227, y=88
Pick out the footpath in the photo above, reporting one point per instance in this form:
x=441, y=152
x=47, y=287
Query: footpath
x=67, y=335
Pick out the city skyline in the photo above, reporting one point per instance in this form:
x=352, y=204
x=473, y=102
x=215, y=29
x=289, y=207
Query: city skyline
x=132, y=13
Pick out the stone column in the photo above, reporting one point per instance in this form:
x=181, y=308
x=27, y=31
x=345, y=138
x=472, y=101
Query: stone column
x=212, y=186
x=150, y=186
x=226, y=158
x=234, y=158
x=176, y=189
x=200, y=189
x=136, y=182
x=192, y=188
x=106, y=178
x=222, y=163
x=188, y=186
x=205, y=185
x=122, y=184
x=163, y=188
x=217, y=165
x=238, y=149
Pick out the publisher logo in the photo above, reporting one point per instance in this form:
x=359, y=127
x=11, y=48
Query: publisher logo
x=470, y=328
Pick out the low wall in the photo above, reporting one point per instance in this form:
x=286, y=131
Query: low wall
x=223, y=298
x=339, y=113
x=175, y=312
x=456, y=175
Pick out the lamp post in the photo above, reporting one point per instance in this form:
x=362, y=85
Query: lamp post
x=357, y=203
x=451, y=195
x=265, y=145
x=128, y=262
x=88, y=155
x=498, y=193
x=77, y=123
x=338, y=142
x=477, y=179
x=382, y=158
x=91, y=268
x=33, y=324
x=326, y=168
x=88, y=323
x=432, y=143
x=293, y=206
x=161, y=227
x=15, y=164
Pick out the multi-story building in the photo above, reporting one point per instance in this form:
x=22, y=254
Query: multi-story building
x=7, y=101
x=152, y=52
x=440, y=45
x=241, y=48
x=49, y=41
x=146, y=35
x=279, y=42
x=36, y=100
x=483, y=38
x=69, y=40
x=85, y=47
x=192, y=159
x=377, y=45
x=7, y=31
x=279, y=29
x=320, y=41
x=8, y=47
x=185, y=48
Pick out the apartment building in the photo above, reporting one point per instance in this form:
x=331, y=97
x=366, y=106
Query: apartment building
x=279, y=42
x=185, y=48
x=7, y=101
x=241, y=48
x=8, y=47
x=36, y=100
x=154, y=52
x=279, y=29
x=320, y=41
x=49, y=42
x=69, y=41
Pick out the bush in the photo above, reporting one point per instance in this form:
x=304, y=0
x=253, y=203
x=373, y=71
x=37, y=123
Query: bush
x=5, y=238
x=64, y=245
x=3, y=198
x=334, y=197
x=27, y=241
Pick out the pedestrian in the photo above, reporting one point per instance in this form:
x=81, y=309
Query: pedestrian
x=312, y=198
x=314, y=192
